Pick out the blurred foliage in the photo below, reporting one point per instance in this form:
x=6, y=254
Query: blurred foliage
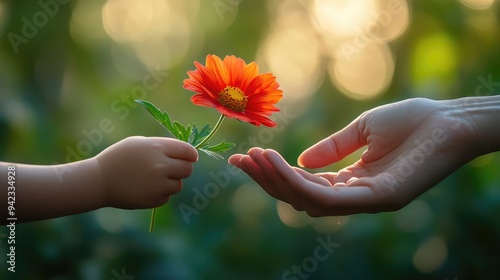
x=83, y=63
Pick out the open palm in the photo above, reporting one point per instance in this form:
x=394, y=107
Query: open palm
x=411, y=146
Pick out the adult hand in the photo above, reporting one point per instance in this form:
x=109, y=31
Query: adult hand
x=411, y=146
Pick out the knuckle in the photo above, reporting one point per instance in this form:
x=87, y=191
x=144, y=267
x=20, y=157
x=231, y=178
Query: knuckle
x=188, y=168
x=176, y=186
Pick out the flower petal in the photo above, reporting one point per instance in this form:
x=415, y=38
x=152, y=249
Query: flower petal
x=266, y=97
x=261, y=90
x=262, y=83
x=219, y=69
x=206, y=78
x=232, y=114
x=202, y=100
x=234, y=66
x=196, y=86
x=261, y=119
x=246, y=75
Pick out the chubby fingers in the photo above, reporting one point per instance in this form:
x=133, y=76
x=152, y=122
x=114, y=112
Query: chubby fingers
x=178, y=159
x=177, y=149
x=177, y=168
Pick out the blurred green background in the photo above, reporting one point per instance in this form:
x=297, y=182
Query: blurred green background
x=68, y=65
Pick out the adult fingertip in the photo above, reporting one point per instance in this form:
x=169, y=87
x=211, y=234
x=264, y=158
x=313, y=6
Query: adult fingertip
x=304, y=159
x=255, y=150
x=274, y=157
x=319, y=155
x=300, y=160
x=270, y=153
x=234, y=159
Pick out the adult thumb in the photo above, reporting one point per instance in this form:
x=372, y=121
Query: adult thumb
x=333, y=148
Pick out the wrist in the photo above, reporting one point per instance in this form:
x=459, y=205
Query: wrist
x=479, y=120
x=98, y=187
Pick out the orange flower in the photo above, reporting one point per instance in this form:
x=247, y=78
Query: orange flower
x=235, y=89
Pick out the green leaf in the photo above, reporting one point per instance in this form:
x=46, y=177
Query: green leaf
x=197, y=135
x=183, y=132
x=190, y=133
x=221, y=147
x=212, y=154
x=176, y=129
x=214, y=150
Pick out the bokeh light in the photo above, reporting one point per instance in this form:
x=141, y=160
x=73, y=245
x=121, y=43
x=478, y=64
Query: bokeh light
x=112, y=220
x=86, y=27
x=130, y=21
x=291, y=217
x=249, y=200
x=354, y=34
x=292, y=53
x=478, y=4
x=158, y=30
x=3, y=15
x=434, y=59
x=334, y=59
x=365, y=74
x=391, y=20
x=343, y=17
x=431, y=254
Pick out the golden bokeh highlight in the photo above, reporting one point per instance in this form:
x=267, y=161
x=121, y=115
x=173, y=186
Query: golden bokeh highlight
x=85, y=24
x=363, y=75
x=291, y=217
x=168, y=50
x=346, y=39
x=342, y=17
x=354, y=37
x=292, y=52
x=431, y=254
x=129, y=21
x=294, y=58
x=390, y=21
x=478, y=4
x=158, y=31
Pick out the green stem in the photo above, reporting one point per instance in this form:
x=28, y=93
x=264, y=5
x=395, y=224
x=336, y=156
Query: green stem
x=216, y=127
x=152, y=222
x=205, y=140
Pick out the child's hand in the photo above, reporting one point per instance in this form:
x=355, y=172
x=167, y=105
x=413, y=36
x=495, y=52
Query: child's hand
x=142, y=172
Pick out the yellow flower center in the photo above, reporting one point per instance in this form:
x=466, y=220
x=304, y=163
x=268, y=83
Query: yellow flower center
x=233, y=98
